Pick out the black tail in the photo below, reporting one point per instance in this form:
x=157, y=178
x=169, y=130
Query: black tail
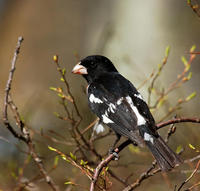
x=165, y=157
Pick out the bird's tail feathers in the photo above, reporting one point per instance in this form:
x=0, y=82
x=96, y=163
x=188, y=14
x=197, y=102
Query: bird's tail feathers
x=165, y=157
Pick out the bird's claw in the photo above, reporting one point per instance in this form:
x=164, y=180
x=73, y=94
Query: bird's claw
x=116, y=156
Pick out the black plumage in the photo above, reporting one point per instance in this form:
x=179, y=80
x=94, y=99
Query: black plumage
x=120, y=106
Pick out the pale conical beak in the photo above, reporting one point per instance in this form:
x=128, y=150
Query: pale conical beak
x=79, y=69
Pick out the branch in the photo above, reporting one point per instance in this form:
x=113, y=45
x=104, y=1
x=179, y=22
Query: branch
x=7, y=92
x=143, y=176
x=193, y=173
x=104, y=162
x=195, y=8
x=24, y=136
x=158, y=74
x=62, y=73
x=177, y=120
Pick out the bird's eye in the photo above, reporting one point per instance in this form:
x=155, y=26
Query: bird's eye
x=93, y=64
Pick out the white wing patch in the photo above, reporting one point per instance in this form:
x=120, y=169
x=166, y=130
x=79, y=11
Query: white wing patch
x=138, y=96
x=106, y=120
x=94, y=99
x=99, y=128
x=148, y=137
x=140, y=119
x=119, y=101
x=111, y=108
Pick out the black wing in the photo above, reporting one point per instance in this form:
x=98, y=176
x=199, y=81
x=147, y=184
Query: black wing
x=119, y=105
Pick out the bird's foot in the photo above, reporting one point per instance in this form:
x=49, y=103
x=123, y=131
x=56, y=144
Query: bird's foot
x=112, y=151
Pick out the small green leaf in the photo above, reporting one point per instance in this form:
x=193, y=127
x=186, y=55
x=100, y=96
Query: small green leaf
x=64, y=158
x=191, y=96
x=53, y=88
x=72, y=156
x=69, y=182
x=56, y=114
x=189, y=1
x=161, y=101
x=167, y=50
x=83, y=163
x=52, y=149
x=191, y=146
x=63, y=71
x=189, y=76
x=159, y=66
x=186, y=64
x=61, y=95
x=56, y=160
x=194, y=46
x=106, y=169
x=179, y=149
x=62, y=79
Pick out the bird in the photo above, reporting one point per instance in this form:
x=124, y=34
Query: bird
x=118, y=105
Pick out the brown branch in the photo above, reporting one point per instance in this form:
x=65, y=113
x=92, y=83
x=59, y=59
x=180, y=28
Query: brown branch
x=7, y=92
x=195, y=8
x=171, y=130
x=193, y=186
x=24, y=136
x=124, y=182
x=188, y=179
x=104, y=162
x=175, y=84
x=75, y=129
x=157, y=75
x=143, y=176
x=40, y=166
x=192, y=159
x=90, y=126
x=146, y=80
x=177, y=120
x=67, y=86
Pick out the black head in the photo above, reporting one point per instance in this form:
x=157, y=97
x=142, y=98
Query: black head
x=93, y=66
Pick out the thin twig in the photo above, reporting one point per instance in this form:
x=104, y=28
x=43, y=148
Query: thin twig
x=143, y=176
x=193, y=186
x=177, y=120
x=188, y=179
x=67, y=86
x=104, y=162
x=24, y=136
x=90, y=126
x=7, y=92
x=146, y=80
x=175, y=84
x=156, y=76
x=195, y=8
x=172, y=130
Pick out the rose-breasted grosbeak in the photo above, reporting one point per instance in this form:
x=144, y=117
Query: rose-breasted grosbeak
x=120, y=106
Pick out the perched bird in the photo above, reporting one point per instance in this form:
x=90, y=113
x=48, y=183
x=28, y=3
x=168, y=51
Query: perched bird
x=121, y=107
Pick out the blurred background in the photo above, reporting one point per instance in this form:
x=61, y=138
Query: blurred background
x=133, y=34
